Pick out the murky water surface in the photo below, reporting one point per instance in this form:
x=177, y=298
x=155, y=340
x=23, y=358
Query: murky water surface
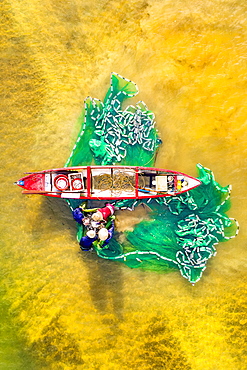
x=64, y=309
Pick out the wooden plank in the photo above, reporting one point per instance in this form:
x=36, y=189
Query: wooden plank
x=36, y=192
x=88, y=181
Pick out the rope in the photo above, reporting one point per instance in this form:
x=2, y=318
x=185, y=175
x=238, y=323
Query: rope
x=119, y=181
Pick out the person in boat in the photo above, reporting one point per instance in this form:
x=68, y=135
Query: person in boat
x=99, y=226
x=170, y=183
x=181, y=184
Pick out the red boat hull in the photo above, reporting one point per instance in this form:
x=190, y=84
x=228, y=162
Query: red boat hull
x=107, y=182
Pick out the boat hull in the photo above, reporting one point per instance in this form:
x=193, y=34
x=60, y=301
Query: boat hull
x=107, y=183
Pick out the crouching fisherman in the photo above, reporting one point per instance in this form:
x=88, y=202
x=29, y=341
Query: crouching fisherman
x=97, y=224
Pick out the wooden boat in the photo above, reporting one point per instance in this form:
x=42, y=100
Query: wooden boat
x=107, y=182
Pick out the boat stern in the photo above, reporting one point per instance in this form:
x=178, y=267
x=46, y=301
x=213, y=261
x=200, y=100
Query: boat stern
x=20, y=183
x=185, y=183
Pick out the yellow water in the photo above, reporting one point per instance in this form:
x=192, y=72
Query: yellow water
x=60, y=308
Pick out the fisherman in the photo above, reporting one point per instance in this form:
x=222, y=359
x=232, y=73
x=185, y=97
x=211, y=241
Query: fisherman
x=95, y=224
x=103, y=213
x=181, y=184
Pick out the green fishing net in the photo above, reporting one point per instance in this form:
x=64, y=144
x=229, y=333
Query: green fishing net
x=181, y=231
x=110, y=135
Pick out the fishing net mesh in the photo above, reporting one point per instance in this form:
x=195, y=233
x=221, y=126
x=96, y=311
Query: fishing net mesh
x=110, y=135
x=182, y=231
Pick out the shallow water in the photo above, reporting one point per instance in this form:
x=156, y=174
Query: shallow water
x=60, y=308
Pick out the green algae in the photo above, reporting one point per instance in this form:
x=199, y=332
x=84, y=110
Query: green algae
x=57, y=345
x=162, y=350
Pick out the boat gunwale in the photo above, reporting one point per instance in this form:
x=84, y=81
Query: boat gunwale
x=88, y=195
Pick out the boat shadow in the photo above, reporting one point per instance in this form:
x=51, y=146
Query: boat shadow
x=106, y=284
x=105, y=277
